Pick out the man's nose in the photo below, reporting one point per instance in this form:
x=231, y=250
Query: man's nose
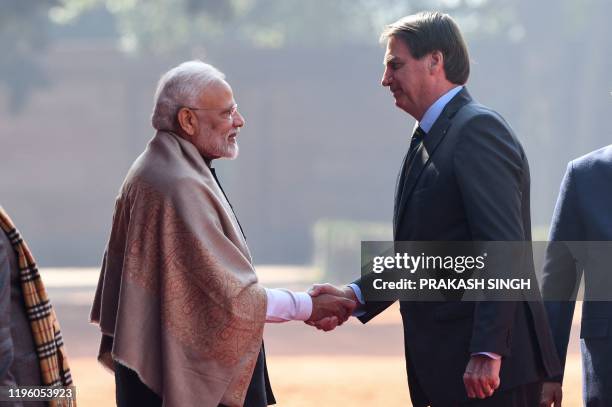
x=238, y=120
x=386, y=78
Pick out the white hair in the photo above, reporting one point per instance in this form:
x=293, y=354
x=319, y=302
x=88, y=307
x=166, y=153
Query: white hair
x=181, y=86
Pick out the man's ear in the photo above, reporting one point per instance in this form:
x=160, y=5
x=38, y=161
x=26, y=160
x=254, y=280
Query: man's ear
x=436, y=61
x=187, y=121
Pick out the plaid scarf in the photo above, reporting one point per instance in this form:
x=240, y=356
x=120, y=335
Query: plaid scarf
x=45, y=328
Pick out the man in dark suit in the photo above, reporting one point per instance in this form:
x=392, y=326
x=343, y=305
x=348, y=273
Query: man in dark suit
x=580, y=235
x=464, y=178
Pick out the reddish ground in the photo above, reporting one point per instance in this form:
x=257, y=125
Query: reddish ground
x=355, y=365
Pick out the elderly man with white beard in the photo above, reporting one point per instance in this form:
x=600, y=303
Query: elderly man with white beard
x=178, y=302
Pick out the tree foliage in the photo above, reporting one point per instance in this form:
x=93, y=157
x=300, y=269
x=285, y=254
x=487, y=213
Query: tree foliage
x=162, y=26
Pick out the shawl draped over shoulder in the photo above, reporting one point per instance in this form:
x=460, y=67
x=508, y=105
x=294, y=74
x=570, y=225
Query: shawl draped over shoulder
x=178, y=300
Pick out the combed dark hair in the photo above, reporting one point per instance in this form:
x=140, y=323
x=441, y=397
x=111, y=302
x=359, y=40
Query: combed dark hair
x=429, y=31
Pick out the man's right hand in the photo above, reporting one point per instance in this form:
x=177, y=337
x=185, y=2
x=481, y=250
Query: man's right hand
x=331, y=306
x=341, y=293
x=551, y=394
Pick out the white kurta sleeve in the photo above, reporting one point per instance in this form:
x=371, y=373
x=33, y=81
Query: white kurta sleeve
x=285, y=305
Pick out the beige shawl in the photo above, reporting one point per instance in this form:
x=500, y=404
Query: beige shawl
x=178, y=300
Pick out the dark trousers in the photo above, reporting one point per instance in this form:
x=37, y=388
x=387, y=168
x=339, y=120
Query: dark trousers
x=527, y=395
x=130, y=391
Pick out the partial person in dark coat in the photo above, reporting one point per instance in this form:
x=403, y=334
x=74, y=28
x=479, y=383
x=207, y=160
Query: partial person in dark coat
x=580, y=246
x=19, y=362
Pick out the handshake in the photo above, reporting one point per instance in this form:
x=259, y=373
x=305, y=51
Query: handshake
x=331, y=306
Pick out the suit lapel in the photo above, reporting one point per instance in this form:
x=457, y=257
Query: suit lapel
x=425, y=152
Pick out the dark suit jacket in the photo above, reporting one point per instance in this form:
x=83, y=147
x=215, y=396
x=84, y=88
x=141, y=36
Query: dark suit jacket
x=581, y=235
x=18, y=361
x=469, y=181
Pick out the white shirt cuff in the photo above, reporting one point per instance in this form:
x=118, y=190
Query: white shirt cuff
x=489, y=354
x=357, y=292
x=358, y=311
x=285, y=305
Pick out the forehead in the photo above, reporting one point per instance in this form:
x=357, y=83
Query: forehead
x=396, y=49
x=217, y=94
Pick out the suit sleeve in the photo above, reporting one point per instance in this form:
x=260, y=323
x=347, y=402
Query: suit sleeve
x=6, y=342
x=561, y=275
x=489, y=166
x=370, y=309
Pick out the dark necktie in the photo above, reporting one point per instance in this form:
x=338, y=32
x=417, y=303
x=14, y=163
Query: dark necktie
x=415, y=142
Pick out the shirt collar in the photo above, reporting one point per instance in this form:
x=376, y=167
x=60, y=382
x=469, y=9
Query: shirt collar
x=432, y=114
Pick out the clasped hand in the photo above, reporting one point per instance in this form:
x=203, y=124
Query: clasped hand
x=331, y=306
x=481, y=377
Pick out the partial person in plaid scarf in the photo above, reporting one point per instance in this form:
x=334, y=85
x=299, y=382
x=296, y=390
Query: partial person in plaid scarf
x=31, y=347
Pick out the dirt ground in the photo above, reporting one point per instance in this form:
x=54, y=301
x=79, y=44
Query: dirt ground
x=356, y=365
x=353, y=366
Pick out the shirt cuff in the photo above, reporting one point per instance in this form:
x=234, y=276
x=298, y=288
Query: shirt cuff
x=489, y=354
x=304, y=306
x=285, y=305
x=357, y=292
x=358, y=312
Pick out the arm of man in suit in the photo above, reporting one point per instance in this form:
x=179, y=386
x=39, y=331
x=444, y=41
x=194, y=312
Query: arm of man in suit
x=6, y=341
x=489, y=166
x=561, y=277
